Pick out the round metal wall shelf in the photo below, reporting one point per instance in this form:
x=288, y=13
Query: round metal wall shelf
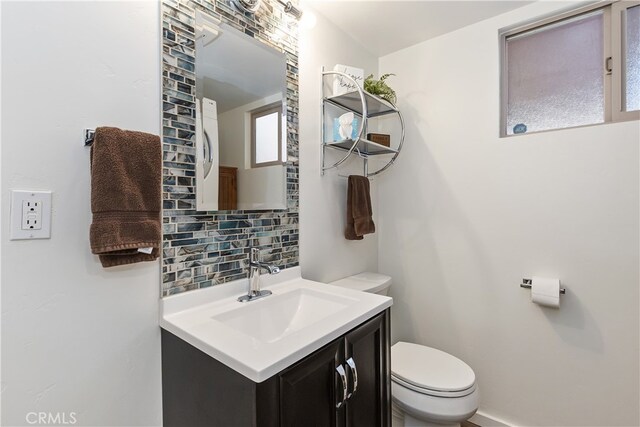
x=366, y=106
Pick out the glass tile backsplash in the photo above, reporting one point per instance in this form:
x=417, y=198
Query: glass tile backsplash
x=203, y=249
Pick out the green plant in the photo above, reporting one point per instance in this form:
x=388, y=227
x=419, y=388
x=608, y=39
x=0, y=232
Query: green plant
x=380, y=87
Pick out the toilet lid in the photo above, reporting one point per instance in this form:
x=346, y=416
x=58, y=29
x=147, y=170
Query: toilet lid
x=365, y=282
x=430, y=369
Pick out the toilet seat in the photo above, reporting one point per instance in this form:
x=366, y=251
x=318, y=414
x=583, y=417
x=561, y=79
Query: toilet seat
x=435, y=393
x=426, y=370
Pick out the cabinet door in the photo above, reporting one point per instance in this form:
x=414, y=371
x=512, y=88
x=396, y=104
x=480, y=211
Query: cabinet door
x=309, y=390
x=367, y=350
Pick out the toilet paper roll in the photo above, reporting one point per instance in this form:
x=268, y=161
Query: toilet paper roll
x=545, y=291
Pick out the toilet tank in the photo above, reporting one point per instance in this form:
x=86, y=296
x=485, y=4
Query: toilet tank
x=366, y=282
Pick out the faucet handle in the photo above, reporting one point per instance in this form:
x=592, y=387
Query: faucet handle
x=255, y=255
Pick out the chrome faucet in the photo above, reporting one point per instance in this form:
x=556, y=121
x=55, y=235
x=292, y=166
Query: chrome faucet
x=254, y=277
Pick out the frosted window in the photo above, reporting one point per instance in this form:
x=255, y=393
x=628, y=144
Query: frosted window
x=267, y=141
x=632, y=59
x=555, y=76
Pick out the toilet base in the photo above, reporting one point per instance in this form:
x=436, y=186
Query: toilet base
x=409, y=421
x=400, y=419
x=425, y=410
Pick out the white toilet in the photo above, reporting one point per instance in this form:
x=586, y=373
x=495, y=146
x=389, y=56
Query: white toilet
x=429, y=387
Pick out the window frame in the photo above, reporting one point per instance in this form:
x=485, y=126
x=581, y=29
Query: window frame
x=266, y=110
x=619, y=44
x=613, y=45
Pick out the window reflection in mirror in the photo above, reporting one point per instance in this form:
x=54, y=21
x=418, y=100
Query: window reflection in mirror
x=266, y=136
x=242, y=145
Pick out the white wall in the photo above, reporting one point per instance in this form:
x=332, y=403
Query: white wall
x=465, y=215
x=325, y=254
x=262, y=187
x=231, y=137
x=75, y=337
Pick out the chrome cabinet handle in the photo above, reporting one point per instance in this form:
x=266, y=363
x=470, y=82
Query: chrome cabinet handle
x=208, y=154
x=354, y=373
x=208, y=148
x=343, y=378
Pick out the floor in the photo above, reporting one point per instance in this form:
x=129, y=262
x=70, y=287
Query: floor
x=468, y=424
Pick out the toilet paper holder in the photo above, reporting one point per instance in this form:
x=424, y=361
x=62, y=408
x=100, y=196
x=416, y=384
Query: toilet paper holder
x=526, y=283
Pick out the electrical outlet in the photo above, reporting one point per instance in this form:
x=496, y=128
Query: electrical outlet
x=30, y=214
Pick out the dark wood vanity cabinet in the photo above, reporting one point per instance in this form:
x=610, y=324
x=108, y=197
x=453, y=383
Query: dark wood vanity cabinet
x=308, y=390
x=369, y=348
x=197, y=390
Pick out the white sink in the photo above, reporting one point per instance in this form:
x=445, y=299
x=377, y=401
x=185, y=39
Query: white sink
x=279, y=315
x=261, y=338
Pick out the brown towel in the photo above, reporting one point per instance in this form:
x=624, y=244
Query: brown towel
x=126, y=169
x=359, y=220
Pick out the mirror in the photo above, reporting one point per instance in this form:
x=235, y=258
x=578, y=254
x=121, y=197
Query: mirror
x=241, y=139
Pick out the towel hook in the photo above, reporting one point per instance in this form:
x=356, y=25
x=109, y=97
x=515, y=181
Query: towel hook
x=89, y=136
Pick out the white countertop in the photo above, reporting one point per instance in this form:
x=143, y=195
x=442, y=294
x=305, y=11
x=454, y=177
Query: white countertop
x=206, y=318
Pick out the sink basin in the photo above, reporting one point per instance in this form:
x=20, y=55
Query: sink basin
x=261, y=338
x=277, y=316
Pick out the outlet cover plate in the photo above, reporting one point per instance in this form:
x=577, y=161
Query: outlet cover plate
x=24, y=199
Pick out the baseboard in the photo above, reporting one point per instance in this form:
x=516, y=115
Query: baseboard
x=486, y=420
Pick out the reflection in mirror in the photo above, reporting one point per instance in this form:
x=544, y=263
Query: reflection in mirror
x=241, y=145
x=266, y=136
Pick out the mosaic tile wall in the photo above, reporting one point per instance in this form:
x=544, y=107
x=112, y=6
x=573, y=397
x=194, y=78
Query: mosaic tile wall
x=203, y=249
